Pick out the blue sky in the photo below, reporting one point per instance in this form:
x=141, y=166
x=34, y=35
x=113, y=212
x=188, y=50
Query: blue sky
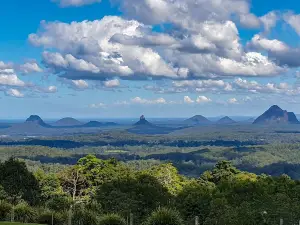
x=161, y=58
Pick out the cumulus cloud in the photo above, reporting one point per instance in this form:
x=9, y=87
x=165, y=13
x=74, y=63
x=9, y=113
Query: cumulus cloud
x=139, y=100
x=259, y=42
x=14, y=93
x=87, y=52
x=75, y=3
x=273, y=88
x=8, y=77
x=188, y=100
x=203, y=85
x=203, y=99
x=112, y=83
x=186, y=14
x=278, y=51
x=30, y=67
x=128, y=49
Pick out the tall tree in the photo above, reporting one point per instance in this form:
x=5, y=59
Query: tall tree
x=18, y=182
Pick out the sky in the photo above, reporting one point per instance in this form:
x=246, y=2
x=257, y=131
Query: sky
x=160, y=58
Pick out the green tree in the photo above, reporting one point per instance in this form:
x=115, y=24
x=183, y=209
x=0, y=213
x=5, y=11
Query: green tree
x=74, y=182
x=139, y=195
x=18, y=182
x=49, y=185
x=97, y=171
x=168, y=176
x=194, y=200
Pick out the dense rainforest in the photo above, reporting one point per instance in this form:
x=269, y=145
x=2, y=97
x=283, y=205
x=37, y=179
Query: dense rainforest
x=97, y=191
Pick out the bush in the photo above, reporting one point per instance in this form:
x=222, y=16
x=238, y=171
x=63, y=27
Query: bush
x=25, y=214
x=112, y=219
x=83, y=216
x=164, y=216
x=58, y=218
x=5, y=210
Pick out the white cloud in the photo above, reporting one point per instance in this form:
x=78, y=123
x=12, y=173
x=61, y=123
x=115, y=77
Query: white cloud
x=188, y=100
x=14, y=93
x=232, y=101
x=272, y=88
x=112, y=83
x=30, y=67
x=75, y=3
x=186, y=14
x=127, y=49
x=4, y=66
x=293, y=20
x=203, y=85
x=9, y=78
x=139, y=100
x=98, y=106
x=250, y=20
x=87, y=52
x=269, y=20
x=260, y=43
x=203, y=99
x=81, y=84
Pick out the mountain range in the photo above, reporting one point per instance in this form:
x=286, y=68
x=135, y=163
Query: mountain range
x=67, y=122
x=35, y=125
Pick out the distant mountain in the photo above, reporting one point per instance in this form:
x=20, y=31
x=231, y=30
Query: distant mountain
x=225, y=121
x=197, y=120
x=143, y=126
x=276, y=115
x=37, y=120
x=98, y=124
x=67, y=122
x=143, y=121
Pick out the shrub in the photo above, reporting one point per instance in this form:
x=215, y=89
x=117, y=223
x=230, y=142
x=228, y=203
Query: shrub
x=82, y=216
x=112, y=219
x=164, y=216
x=5, y=210
x=58, y=218
x=24, y=213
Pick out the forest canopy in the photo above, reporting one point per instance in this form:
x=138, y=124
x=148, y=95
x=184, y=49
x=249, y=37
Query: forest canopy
x=96, y=190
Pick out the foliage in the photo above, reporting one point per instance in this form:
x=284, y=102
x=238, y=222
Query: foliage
x=59, y=203
x=93, y=187
x=5, y=210
x=168, y=177
x=18, y=182
x=82, y=216
x=164, y=216
x=24, y=213
x=112, y=219
x=45, y=217
x=139, y=195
